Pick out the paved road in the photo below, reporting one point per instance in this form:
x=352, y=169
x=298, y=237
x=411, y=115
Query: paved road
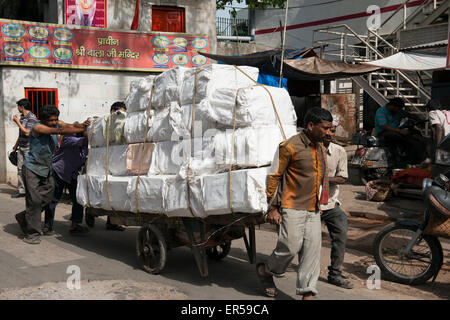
x=109, y=267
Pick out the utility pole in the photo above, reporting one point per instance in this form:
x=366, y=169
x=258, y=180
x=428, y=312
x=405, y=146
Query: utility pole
x=283, y=42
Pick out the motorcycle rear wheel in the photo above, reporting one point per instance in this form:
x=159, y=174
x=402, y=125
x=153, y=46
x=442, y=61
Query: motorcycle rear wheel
x=418, y=267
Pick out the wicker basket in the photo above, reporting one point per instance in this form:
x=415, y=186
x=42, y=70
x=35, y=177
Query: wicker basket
x=439, y=227
x=378, y=190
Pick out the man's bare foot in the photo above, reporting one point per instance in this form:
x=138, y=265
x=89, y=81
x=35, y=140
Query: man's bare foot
x=308, y=296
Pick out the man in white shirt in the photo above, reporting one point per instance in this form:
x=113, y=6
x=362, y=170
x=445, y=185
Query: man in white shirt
x=439, y=122
x=333, y=216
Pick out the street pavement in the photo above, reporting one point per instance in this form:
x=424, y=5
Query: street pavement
x=109, y=268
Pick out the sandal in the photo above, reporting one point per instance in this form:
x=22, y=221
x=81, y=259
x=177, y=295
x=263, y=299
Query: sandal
x=32, y=239
x=78, y=230
x=340, y=282
x=266, y=281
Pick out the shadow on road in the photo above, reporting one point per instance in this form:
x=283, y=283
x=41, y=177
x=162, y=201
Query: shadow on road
x=8, y=191
x=14, y=229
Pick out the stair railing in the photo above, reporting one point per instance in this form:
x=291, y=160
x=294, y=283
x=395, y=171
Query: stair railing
x=374, y=51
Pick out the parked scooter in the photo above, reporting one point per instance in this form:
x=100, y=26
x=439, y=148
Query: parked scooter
x=402, y=250
x=374, y=160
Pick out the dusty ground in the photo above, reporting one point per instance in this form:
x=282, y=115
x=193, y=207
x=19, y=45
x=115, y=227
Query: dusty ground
x=95, y=290
x=360, y=237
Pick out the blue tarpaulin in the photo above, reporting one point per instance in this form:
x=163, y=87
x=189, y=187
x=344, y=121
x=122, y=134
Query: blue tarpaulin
x=264, y=77
x=270, y=80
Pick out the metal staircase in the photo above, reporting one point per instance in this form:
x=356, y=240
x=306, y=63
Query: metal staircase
x=342, y=43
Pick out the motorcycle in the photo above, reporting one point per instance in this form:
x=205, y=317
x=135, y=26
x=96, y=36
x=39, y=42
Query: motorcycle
x=374, y=160
x=442, y=161
x=402, y=250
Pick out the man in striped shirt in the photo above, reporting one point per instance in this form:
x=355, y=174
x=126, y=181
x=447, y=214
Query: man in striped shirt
x=294, y=192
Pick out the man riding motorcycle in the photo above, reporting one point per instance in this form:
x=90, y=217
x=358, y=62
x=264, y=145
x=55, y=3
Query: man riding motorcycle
x=387, y=122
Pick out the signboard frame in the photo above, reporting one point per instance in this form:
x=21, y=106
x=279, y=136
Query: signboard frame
x=101, y=33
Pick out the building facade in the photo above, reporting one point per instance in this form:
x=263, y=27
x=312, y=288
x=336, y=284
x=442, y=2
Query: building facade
x=305, y=16
x=80, y=93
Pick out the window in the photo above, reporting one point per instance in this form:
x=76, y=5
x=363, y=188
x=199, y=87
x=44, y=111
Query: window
x=40, y=97
x=168, y=19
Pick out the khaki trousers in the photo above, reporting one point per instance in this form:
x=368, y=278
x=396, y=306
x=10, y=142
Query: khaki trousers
x=300, y=233
x=21, y=152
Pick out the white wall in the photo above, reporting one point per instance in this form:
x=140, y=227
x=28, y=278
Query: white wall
x=307, y=11
x=81, y=94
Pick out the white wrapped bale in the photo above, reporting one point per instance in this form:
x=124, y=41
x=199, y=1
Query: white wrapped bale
x=123, y=160
x=139, y=97
x=248, y=192
x=98, y=195
x=159, y=126
x=97, y=130
x=169, y=156
x=117, y=160
x=176, y=198
x=135, y=124
x=181, y=122
x=253, y=147
x=212, y=77
x=150, y=194
x=166, y=124
x=163, y=194
x=168, y=87
x=209, y=194
x=253, y=107
x=166, y=158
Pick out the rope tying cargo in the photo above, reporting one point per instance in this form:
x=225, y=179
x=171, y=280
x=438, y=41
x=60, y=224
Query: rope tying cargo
x=88, y=162
x=271, y=99
x=230, y=204
x=188, y=189
x=149, y=108
x=108, y=124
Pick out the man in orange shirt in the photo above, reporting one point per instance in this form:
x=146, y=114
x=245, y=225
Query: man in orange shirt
x=296, y=187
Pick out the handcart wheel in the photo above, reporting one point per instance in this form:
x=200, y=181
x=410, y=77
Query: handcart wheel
x=151, y=249
x=219, y=251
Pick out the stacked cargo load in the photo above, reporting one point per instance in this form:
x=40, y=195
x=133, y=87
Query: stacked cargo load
x=193, y=143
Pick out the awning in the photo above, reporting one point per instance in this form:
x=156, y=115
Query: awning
x=315, y=68
x=265, y=61
x=309, y=68
x=410, y=61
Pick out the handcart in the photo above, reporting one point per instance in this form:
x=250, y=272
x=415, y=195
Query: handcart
x=209, y=237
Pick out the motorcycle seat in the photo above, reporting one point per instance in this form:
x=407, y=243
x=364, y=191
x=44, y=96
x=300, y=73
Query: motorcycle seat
x=373, y=141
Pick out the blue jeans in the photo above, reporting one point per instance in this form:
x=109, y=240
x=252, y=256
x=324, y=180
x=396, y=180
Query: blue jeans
x=77, y=209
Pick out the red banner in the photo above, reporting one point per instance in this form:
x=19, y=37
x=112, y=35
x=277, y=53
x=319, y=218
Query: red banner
x=89, y=13
x=46, y=45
